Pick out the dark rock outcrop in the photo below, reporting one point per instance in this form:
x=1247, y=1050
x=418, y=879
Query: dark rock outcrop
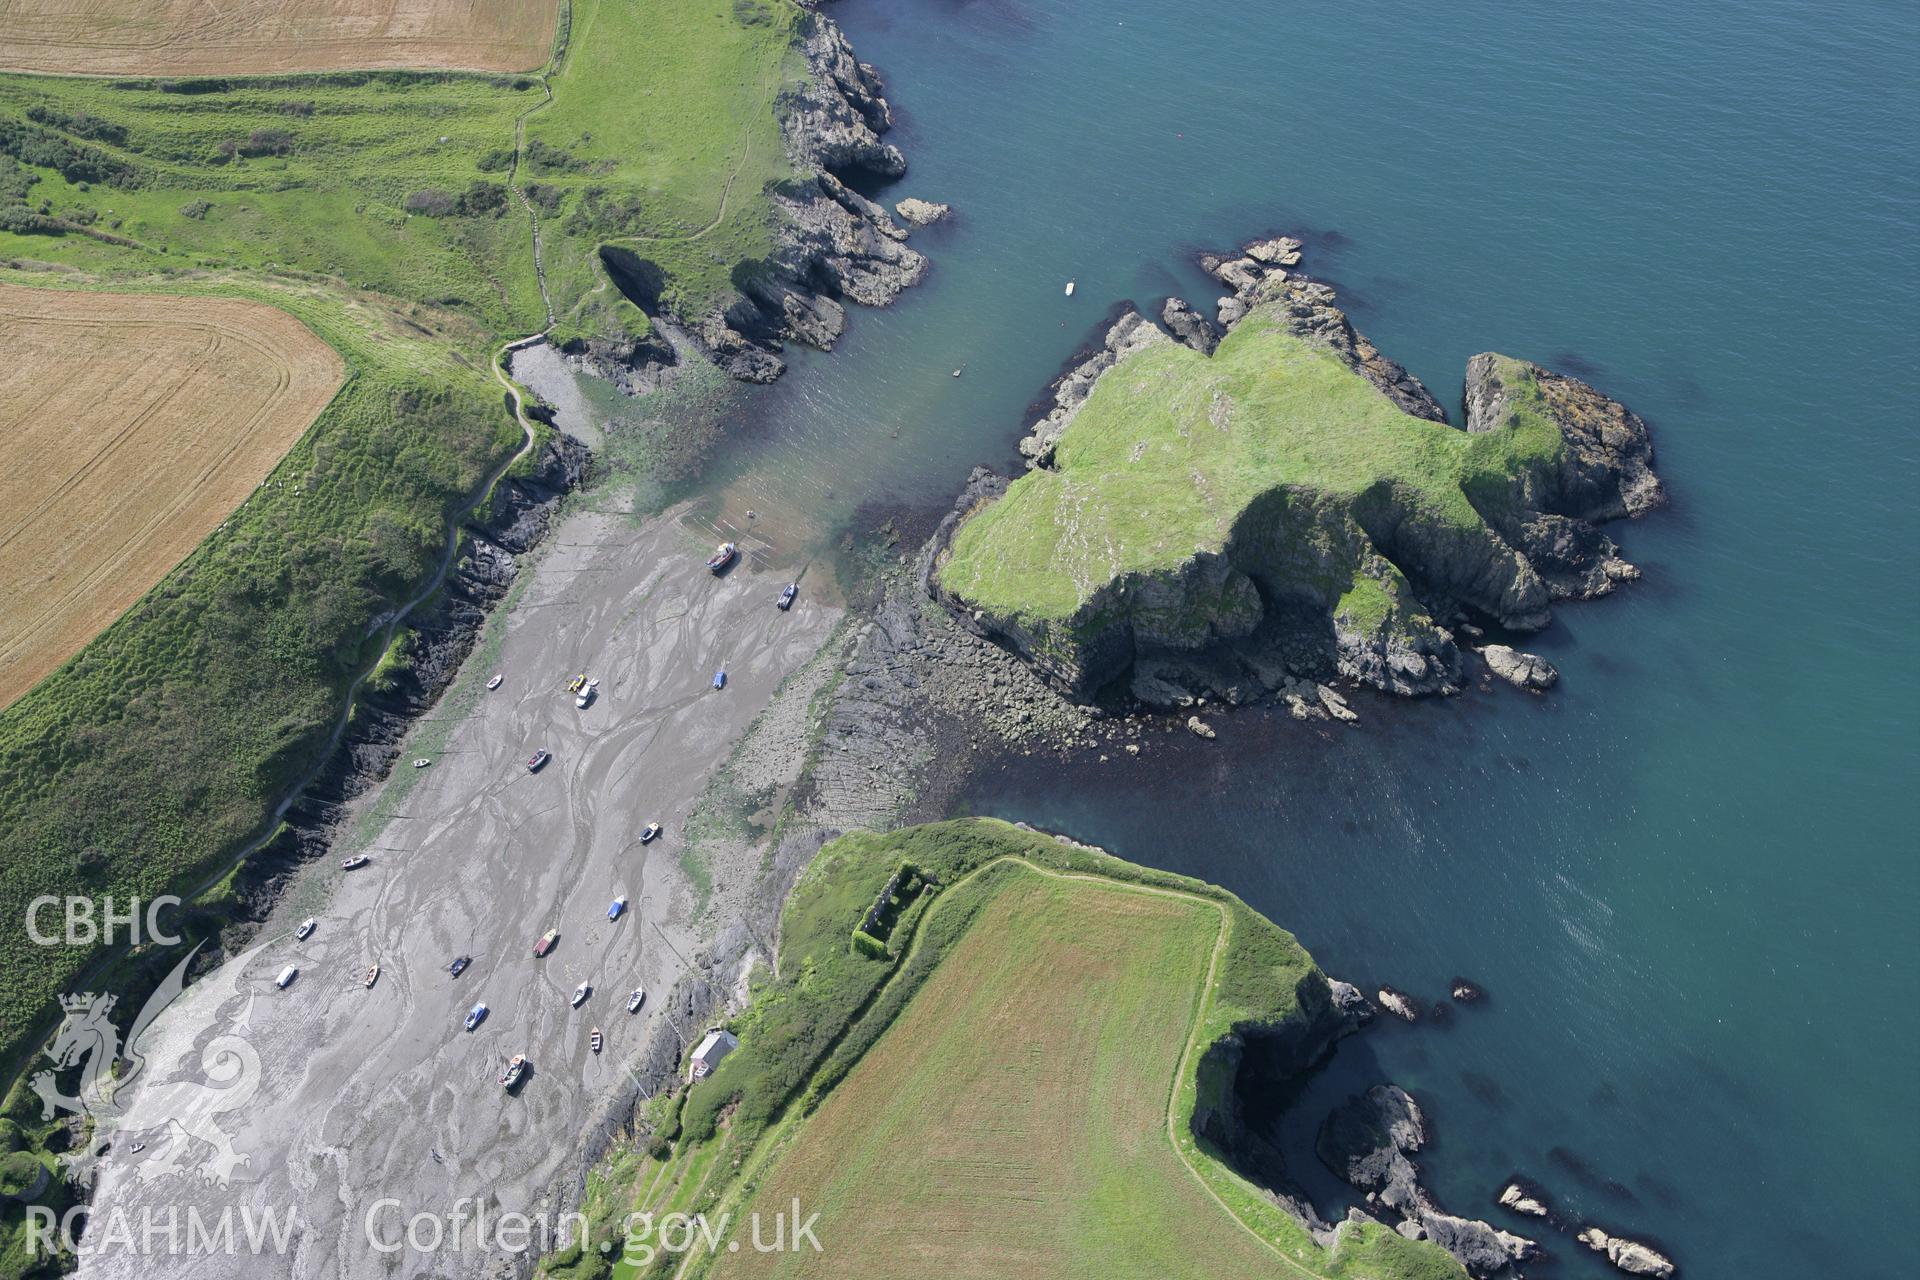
x=1368, y=1142
x=1189, y=326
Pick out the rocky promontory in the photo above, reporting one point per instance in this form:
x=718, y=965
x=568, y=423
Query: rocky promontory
x=831, y=244
x=1368, y=1142
x=1225, y=509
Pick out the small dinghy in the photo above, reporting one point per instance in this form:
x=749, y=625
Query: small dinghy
x=495, y=682
x=306, y=929
x=720, y=678
x=373, y=974
x=1069, y=288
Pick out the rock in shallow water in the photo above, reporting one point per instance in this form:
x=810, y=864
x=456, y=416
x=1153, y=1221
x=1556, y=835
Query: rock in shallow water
x=1630, y=1256
x=1399, y=1004
x=1527, y=671
x=1517, y=1198
x=922, y=213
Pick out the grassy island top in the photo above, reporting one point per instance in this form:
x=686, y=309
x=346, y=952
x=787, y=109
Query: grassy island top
x=1172, y=446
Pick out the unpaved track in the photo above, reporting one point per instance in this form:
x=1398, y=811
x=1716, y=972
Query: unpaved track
x=255, y=37
x=131, y=425
x=362, y=1088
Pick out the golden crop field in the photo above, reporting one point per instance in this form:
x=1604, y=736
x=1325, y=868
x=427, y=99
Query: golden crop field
x=131, y=425
x=1013, y=1121
x=261, y=37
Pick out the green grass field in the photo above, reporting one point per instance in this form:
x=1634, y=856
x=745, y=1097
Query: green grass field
x=1015, y=1088
x=1172, y=451
x=660, y=136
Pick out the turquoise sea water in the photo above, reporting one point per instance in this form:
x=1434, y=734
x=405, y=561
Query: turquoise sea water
x=1688, y=877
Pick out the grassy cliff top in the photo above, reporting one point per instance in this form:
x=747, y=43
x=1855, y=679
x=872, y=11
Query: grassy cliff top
x=1172, y=446
x=1040, y=1017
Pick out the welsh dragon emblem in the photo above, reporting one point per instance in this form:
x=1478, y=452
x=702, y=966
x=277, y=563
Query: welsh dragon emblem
x=184, y=1113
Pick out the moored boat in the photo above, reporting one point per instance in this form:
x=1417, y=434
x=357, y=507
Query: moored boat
x=722, y=557
x=516, y=1068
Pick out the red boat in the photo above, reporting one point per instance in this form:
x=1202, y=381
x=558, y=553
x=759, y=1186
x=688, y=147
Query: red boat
x=546, y=942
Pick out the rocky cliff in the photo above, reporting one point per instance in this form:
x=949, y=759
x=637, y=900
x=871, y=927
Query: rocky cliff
x=832, y=242
x=1225, y=510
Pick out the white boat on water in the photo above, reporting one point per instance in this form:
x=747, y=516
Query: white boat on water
x=1069, y=288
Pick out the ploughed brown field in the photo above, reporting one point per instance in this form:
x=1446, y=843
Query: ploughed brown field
x=251, y=37
x=131, y=425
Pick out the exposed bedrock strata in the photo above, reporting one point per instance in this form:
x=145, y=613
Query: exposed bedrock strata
x=1369, y=1141
x=1262, y=546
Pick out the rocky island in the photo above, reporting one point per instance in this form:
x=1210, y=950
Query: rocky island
x=1224, y=509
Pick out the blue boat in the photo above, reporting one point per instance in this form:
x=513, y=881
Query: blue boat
x=619, y=905
x=720, y=679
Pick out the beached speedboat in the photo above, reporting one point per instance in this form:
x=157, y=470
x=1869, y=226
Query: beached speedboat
x=495, y=682
x=722, y=557
x=720, y=678
x=515, y=1070
x=580, y=994
x=786, y=597
x=306, y=929
x=357, y=860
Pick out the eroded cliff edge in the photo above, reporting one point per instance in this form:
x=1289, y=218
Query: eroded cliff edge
x=1271, y=498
